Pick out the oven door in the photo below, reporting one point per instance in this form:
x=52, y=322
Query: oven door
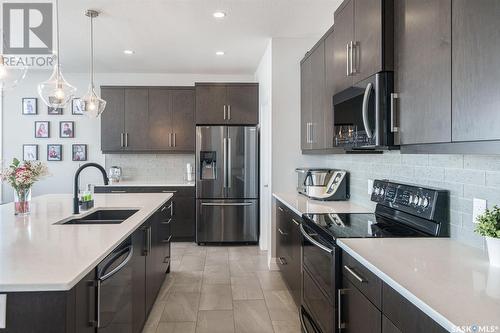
x=319, y=281
x=361, y=114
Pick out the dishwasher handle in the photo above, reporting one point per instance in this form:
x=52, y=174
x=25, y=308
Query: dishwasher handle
x=314, y=242
x=104, y=277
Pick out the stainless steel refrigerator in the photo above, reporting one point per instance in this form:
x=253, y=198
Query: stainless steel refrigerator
x=227, y=184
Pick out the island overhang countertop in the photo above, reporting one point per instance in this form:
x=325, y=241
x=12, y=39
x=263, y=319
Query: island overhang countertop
x=38, y=255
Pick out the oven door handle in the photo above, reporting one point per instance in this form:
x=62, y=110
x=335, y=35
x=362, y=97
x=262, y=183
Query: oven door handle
x=366, y=99
x=312, y=240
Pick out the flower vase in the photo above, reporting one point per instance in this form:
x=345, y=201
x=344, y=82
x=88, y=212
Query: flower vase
x=22, y=200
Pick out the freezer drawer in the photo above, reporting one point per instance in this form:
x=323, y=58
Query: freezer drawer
x=227, y=221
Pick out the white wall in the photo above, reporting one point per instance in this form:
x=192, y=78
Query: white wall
x=18, y=129
x=264, y=76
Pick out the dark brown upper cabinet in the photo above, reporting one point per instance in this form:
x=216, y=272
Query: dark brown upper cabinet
x=137, y=119
x=227, y=103
x=363, y=41
x=476, y=70
x=316, y=96
x=423, y=70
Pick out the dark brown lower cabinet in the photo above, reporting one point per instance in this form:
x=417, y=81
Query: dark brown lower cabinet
x=358, y=314
x=388, y=326
x=288, y=249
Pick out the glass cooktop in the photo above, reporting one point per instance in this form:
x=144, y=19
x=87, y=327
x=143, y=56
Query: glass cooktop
x=360, y=226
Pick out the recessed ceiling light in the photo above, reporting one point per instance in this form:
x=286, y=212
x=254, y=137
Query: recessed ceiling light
x=219, y=14
x=220, y=53
x=128, y=52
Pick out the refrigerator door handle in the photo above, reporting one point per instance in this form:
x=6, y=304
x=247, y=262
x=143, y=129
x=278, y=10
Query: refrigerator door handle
x=229, y=164
x=225, y=161
x=227, y=204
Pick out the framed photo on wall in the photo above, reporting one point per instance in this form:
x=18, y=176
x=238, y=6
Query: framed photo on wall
x=79, y=152
x=66, y=129
x=42, y=129
x=54, y=111
x=30, y=106
x=77, y=106
x=30, y=152
x=54, y=152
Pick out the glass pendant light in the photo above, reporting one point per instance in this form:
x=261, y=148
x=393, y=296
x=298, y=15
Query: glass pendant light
x=93, y=105
x=56, y=92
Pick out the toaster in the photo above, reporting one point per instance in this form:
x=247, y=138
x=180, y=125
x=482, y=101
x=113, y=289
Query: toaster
x=323, y=184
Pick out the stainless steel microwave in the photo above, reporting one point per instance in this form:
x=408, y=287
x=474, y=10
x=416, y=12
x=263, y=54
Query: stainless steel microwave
x=363, y=117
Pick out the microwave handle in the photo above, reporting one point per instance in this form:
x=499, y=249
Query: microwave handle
x=366, y=99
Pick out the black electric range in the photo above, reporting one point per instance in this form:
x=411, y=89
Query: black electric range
x=402, y=210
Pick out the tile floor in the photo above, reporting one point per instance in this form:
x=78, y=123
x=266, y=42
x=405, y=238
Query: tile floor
x=219, y=289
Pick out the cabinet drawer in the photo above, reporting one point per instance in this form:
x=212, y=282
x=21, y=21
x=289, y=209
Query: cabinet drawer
x=166, y=212
x=406, y=316
x=367, y=282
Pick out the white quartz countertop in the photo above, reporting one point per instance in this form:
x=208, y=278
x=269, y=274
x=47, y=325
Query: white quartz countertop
x=38, y=255
x=138, y=183
x=301, y=204
x=452, y=283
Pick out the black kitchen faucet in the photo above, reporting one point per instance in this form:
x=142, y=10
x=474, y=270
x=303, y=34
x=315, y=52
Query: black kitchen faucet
x=76, y=201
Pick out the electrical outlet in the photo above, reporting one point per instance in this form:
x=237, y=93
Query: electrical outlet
x=478, y=208
x=370, y=186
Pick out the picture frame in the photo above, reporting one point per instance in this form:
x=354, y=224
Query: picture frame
x=54, y=111
x=66, y=129
x=42, y=129
x=77, y=106
x=30, y=152
x=79, y=152
x=30, y=106
x=54, y=152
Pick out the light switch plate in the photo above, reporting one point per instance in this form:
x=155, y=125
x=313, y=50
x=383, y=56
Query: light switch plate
x=370, y=186
x=3, y=310
x=478, y=208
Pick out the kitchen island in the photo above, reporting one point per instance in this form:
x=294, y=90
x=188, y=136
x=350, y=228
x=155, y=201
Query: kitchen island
x=48, y=267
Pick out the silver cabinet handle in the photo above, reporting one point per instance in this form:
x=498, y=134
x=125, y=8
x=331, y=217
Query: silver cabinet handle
x=98, y=305
x=229, y=164
x=167, y=191
x=294, y=221
x=354, y=57
x=282, y=260
x=281, y=209
x=394, y=128
x=170, y=139
x=118, y=191
x=351, y=67
x=167, y=222
x=171, y=208
x=225, y=111
x=167, y=240
x=91, y=285
x=314, y=242
x=229, y=112
x=175, y=139
x=164, y=208
x=130, y=250
x=340, y=292
x=122, y=144
x=366, y=99
x=281, y=232
x=126, y=139
x=348, y=56
x=227, y=204
x=353, y=273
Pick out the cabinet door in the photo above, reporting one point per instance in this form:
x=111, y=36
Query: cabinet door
x=295, y=283
x=243, y=104
x=210, y=103
x=476, y=69
x=160, y=119
x=183, y=105
x=329, y=87
x=113, y=119
x=388, y=326
x=318, y=97
x=85, y=301
x=281, y=239
x=358, y=314
x=368, y=38
x=184, y=219
x=424, y=88
x=305, y=104
x=136, y=119
x=344, y=34
x=139, y=279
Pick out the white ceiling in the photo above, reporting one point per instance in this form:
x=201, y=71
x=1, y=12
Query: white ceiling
x=181, y=36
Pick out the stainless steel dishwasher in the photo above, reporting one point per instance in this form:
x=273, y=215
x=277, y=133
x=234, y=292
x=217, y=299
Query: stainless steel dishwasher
x=114, y=290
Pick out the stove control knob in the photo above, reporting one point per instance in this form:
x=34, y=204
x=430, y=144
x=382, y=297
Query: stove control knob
x=425, y=203
x=415, y=200
x=421, y=202
x=376, y=191
x=382, y=191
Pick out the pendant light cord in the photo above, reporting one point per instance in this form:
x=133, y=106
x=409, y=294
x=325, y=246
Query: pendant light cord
x=92, y=51
x=57, y=37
